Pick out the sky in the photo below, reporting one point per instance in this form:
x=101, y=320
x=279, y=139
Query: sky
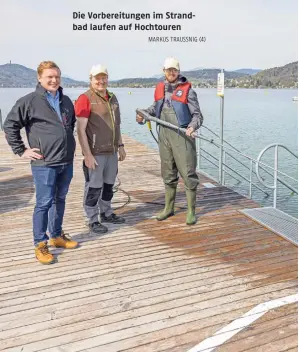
x=239, y=34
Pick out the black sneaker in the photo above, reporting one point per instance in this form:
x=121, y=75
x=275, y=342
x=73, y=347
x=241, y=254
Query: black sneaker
x=112, y=219
x=97, y=228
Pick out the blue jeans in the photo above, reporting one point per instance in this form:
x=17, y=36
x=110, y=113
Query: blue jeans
x=51, y=187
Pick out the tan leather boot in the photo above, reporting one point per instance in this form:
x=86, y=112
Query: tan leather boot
x=42, y=253
x=63, y=241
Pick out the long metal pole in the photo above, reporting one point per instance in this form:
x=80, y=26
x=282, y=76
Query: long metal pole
x=250, y=180
x=223, y=172
x=221, y=141
x=200, y=147
x=1, y=122
x=275, y=176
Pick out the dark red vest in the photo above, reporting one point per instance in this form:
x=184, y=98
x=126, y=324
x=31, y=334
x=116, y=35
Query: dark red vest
x=179, y=100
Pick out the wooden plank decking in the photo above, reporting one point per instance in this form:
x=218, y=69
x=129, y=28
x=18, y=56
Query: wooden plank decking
x=147, y=286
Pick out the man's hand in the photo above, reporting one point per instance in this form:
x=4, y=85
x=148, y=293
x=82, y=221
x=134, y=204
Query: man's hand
x=121, y=154
x=90, y=161
x=139, y=119
x=31, y=154
x=190, y=131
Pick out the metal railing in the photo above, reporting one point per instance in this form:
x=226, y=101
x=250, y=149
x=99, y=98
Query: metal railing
x=275, y=169
x=254, y=165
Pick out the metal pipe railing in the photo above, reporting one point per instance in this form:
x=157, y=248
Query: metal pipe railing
x=250, y=158
x=215, y=134
x=290, y=187
x=223, y=173
x=236, y=172
x=274, y=187
x=241, y=163
x=217, y=165
x=250, y=179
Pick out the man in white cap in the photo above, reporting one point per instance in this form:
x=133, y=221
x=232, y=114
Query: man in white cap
x=98, y=126
x=176, y=102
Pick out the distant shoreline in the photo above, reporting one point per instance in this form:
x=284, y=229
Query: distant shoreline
x=283, y=77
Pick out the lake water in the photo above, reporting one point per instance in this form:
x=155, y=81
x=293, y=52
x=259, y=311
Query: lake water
x=253, y=119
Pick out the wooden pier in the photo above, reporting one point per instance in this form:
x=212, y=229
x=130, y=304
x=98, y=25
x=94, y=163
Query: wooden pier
x=145, y=286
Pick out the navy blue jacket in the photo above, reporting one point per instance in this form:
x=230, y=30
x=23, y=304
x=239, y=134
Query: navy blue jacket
x=44, y=128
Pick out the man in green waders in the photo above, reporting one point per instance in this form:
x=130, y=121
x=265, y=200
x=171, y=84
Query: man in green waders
x=176, y=102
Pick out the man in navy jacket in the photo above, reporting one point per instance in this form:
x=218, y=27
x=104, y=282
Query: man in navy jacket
x=49, y=119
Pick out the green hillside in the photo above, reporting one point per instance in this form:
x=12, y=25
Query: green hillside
x=14, y=75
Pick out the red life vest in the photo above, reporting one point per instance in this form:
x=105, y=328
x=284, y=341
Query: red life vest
x=179, y=100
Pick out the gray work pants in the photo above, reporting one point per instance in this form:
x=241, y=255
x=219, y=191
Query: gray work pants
x=99, y=183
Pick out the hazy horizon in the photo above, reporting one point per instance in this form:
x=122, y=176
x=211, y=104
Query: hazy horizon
x=153, y=76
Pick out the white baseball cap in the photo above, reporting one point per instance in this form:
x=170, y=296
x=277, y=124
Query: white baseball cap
x=171, y=62
x=96, y=69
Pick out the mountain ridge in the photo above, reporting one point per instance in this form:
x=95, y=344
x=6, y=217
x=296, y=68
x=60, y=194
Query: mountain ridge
x=20, y=76
x=16, y=75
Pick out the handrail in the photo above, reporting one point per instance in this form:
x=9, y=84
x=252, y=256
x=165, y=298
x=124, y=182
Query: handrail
x=236, y=149
x=233, y=157
x=243, y=177
x=275, y=168
x=214, y=163
x=274, y=187
x=215, y=134
x=248, y=168
x=247, y=156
